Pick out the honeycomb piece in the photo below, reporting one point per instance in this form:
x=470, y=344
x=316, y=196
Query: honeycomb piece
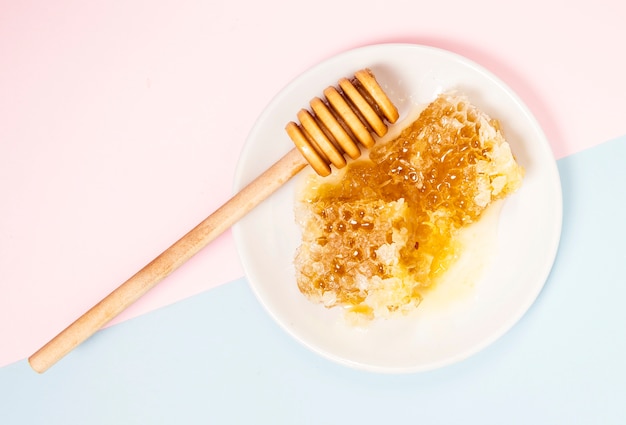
x=386, y=227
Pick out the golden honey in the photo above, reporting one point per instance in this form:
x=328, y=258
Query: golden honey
x=385, y=229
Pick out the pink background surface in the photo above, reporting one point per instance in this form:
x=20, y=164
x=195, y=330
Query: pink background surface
x=121, y=122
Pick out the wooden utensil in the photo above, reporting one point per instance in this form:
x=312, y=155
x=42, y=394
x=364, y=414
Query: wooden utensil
x=345, y=119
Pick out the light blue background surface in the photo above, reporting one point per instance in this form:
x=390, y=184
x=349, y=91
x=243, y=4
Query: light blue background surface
x=218, y=358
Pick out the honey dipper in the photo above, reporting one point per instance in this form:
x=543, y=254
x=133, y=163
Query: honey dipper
x=346, y=118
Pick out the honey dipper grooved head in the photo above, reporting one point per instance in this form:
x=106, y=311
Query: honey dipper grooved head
x=345, y=118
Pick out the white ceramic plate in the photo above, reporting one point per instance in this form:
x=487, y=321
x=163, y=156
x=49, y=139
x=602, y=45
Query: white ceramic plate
x=527, y=238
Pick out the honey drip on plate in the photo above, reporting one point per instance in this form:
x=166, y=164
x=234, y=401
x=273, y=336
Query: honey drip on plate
x=384, y=230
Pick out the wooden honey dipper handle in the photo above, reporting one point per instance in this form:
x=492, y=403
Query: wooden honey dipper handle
x=315, y=145
x=168, y=261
